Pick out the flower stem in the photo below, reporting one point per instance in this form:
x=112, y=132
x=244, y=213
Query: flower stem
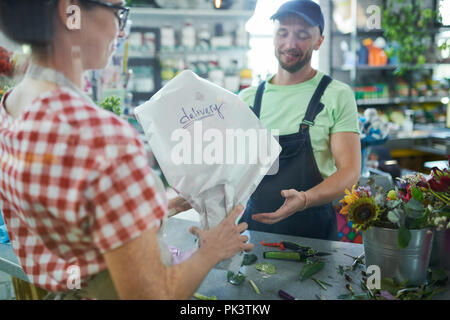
x=445, y=199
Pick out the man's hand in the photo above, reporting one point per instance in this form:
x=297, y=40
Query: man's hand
x=295, y=201
x=177, y=205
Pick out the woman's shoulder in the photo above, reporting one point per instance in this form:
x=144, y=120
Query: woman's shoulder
x=91, y=122
x=69, y=104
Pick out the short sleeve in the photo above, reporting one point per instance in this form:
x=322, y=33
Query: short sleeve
x=248, y=95
x=345, y=114
x=125, y=200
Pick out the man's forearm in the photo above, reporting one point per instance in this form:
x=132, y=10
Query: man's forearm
x=333, y=187
x=182, y=280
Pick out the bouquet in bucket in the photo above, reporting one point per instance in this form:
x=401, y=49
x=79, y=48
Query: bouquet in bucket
x=13, y=66
x=6, y=64
x=416, y=202
x=6, y=70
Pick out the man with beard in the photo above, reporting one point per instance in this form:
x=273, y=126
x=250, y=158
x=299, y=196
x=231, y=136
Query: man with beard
x=318, y=124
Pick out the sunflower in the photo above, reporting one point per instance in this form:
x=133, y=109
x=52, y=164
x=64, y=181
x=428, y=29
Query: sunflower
x=349, y=199
x=362, y=212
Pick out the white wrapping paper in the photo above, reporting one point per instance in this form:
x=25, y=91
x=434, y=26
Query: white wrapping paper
x=193, y=127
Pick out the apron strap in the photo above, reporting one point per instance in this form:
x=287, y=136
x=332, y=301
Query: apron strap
x=258, y=99
x=315, y=107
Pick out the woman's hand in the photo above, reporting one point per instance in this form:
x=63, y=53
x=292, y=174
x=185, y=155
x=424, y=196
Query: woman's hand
x=225, y=240
x=177, y=205
x=295, y=201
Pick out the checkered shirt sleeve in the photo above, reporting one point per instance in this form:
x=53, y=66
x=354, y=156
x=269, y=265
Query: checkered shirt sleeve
x=123, y=198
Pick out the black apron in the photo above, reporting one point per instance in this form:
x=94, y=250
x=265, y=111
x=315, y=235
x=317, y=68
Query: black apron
x=297, y=170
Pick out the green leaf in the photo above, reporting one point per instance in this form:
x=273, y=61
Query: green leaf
x=417, y=194
x=421, y=59
x=393, y=216
x=404, y=236
x=249, y=259
x=310, y=269
x=112, y=104
x=235, y=279
x=394, y=203
x=389, y=285
x=413, y=204
x=414, y=209
x=419, y=223
x=266, y=267
x=439, y=275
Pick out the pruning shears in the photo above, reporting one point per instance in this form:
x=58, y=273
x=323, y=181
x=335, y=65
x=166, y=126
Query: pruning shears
x=299, y=253
x=356, y=260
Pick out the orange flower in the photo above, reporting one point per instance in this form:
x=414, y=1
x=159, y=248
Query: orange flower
x=348, y=200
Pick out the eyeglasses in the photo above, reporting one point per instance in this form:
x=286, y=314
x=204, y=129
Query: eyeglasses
x=121, y=12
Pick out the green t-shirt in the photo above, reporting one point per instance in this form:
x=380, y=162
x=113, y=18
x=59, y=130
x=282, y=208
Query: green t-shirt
x=284, y=107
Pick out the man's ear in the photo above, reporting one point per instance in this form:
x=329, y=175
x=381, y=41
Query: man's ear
x=319, y=43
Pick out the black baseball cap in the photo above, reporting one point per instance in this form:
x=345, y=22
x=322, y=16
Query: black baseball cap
x=306, y=9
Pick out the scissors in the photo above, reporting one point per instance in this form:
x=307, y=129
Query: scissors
x=299, y=253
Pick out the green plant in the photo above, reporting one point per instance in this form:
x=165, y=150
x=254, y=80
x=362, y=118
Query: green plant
x=112, y=104
x=407, y=27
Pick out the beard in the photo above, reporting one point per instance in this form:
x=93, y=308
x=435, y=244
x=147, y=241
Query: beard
x=301, y=62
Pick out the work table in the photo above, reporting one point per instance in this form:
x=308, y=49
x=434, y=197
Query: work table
x=287, y=273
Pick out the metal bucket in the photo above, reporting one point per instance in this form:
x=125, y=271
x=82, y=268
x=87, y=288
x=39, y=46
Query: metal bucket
x=411, y=263
x=440, y=254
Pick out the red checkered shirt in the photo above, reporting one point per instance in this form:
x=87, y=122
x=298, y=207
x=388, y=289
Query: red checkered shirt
x=74, y=184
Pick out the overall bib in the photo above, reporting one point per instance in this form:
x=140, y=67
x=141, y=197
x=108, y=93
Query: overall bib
x=297, y=170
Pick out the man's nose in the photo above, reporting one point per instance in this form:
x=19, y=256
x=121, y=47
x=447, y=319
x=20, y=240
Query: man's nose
x=291, y=42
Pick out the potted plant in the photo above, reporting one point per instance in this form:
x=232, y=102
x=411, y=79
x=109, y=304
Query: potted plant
x=407, y=27
x=398, y=225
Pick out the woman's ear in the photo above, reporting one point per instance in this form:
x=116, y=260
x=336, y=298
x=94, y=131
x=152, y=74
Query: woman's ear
x=69, y=14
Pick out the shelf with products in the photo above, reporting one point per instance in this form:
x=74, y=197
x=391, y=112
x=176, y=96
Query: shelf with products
x=401, y=100
x=143, y=63
x=177, y=52
x=212, y=43
x=388, y=67
x=359, y=57
x=422, y=115
x=363, y=32
x=145, y=13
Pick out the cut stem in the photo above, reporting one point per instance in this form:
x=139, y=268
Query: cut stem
x=255, y=287
x=319, y=283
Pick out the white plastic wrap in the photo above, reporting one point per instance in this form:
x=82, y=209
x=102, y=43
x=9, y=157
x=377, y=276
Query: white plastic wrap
x=216, y=171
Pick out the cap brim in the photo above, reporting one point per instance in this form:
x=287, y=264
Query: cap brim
x=301, y=15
